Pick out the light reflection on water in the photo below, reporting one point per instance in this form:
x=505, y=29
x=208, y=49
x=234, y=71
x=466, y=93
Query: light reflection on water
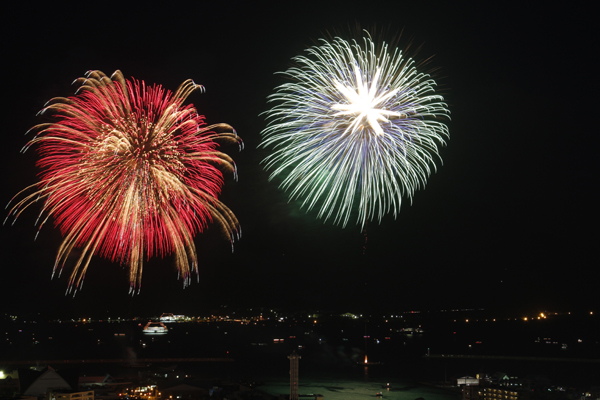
x=344, y=389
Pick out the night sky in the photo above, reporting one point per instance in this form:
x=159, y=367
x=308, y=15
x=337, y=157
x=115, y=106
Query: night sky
x=509, y=222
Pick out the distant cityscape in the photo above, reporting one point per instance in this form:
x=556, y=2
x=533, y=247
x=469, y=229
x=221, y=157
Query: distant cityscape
x=226, y=313
x=229, y=354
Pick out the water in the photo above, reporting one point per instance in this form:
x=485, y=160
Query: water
x=351, y=389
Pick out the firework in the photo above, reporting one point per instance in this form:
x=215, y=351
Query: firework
x=128, y=170
x=356, y=128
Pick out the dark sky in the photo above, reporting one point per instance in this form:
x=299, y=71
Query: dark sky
x=508, y=222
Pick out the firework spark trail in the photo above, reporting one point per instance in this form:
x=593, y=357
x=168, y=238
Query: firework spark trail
x=356, y=124
x=128, y=169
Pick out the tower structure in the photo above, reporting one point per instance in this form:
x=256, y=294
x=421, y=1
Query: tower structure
x=294, y=357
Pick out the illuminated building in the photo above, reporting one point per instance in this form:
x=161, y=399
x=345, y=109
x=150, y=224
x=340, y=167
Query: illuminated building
x=491, y=393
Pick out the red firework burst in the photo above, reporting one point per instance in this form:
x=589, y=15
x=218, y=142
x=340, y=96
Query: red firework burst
x=128, y=169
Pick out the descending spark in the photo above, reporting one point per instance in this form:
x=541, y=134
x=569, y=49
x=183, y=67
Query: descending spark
x=128, y=170
x=356, y=128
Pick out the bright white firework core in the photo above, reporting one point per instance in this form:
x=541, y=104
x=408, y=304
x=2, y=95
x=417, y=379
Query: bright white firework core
x=355, y=129
x=363, y=102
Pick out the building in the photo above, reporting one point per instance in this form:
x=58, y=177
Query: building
x=470, y=392
x=493, y=393
x=72, y=395
x=496, y=393
x=467, y=380
x=39, y=383
x=96, y=381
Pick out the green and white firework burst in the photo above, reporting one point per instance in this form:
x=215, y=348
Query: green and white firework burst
x=356, y=129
